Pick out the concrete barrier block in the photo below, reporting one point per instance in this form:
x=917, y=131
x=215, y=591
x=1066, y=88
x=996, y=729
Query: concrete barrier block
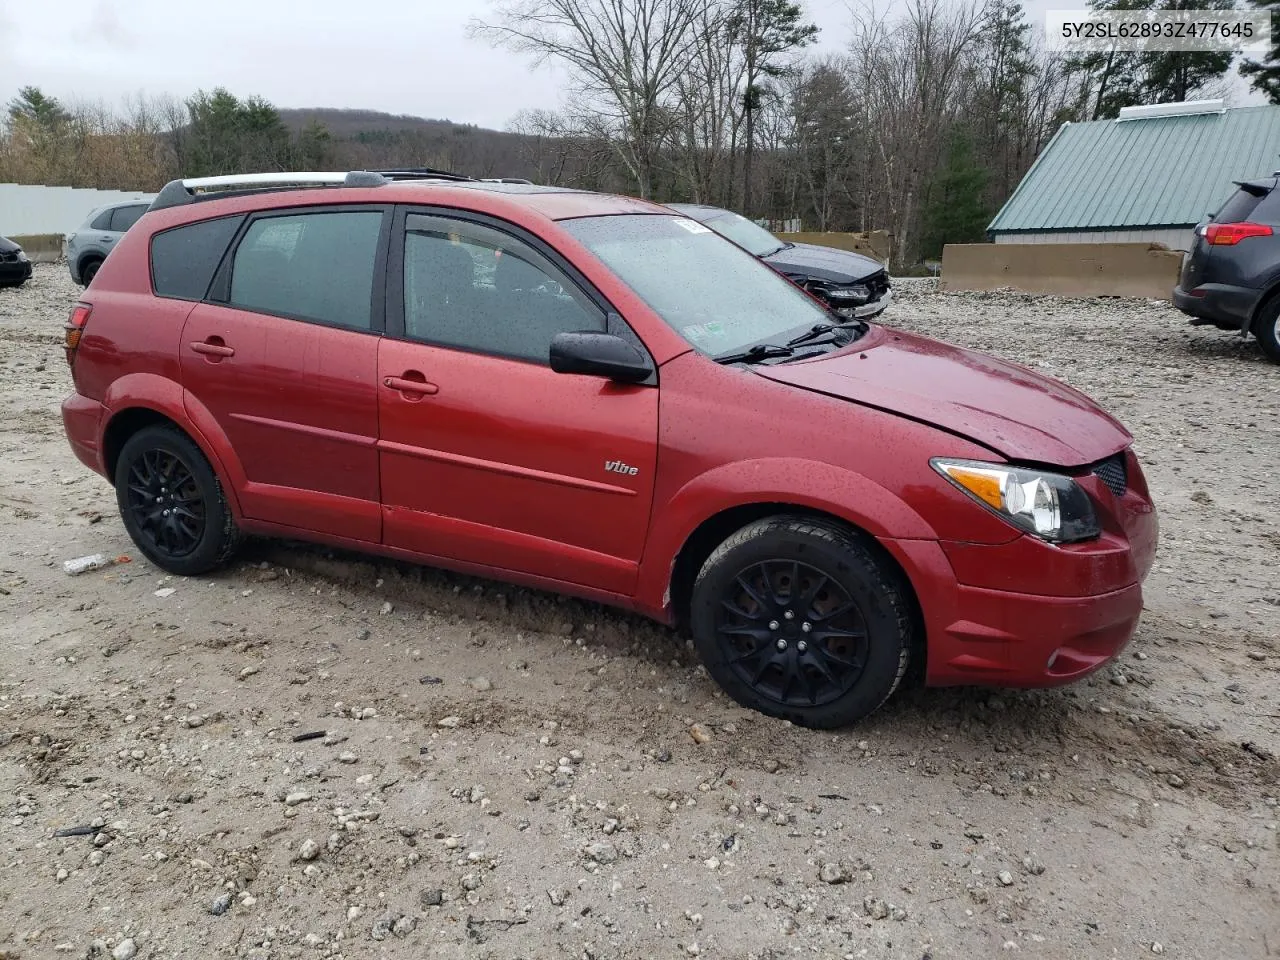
x=1065, y=269
x=42, y=247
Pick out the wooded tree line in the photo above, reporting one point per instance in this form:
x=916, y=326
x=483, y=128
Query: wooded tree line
x=922, y=127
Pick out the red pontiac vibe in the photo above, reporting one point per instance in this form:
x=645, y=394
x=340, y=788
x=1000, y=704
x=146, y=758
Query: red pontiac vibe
x=588, y=394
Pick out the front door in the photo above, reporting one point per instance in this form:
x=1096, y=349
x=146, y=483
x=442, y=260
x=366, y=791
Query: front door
x=287, y=361
x=487, y=455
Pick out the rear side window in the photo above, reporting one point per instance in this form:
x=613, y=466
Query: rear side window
x=1239, y=207
x=122, y=218
x=313, y=266
x=184, y=259
x=102, y=221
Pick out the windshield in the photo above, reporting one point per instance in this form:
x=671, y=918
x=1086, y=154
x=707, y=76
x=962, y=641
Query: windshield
x=715, y=295
x=744, y=233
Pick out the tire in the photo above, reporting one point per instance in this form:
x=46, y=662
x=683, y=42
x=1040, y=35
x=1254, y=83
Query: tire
x=88, y=271
x=190, y=530
x=845, y=652
x=1266, y=327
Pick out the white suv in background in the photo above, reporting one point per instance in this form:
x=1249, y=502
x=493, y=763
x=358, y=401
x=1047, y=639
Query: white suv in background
x=89, y=246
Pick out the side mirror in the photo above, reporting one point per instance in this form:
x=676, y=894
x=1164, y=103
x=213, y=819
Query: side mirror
x=600, y=355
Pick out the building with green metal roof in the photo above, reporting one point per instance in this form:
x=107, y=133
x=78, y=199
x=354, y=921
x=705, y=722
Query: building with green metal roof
x=1151, y=174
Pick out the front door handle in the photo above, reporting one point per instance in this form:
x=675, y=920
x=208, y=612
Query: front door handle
x=213, y=348
x=414, y=387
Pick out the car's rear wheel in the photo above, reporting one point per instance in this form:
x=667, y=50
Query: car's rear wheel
x=1267, y=328
x=171, y=502
x=88, y=271
x=804, y=620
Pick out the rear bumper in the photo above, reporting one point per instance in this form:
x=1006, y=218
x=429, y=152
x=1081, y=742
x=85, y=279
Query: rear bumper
x=82, y=419
x=1219, y=304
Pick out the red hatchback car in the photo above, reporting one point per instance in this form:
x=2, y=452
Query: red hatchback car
x=589, y=394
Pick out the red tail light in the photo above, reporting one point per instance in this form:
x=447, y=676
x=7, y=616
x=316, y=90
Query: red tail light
x=75, y=329
x=1229, y=234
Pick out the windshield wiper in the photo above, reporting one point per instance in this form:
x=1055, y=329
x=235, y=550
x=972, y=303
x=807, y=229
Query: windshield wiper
x=761, y=351
x=815, y=331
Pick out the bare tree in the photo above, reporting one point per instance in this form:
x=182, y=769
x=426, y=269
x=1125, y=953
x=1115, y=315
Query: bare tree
x=625, y=55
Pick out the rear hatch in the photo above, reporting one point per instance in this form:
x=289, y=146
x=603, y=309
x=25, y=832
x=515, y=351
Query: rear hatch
x=1197, y=265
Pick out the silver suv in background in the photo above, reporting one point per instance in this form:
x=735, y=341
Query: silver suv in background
x=89, y=246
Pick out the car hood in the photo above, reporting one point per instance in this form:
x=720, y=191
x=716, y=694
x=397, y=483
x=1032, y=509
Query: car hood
x=1012, y=410
x=8, y=246
x=824, y=263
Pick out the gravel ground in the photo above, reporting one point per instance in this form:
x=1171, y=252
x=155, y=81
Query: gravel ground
x=505, y=774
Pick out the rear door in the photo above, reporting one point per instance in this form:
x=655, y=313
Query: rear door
x=284, y=355
x=488, y=456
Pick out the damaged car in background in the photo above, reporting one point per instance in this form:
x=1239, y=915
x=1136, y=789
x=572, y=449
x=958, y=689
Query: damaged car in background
x=853, y=285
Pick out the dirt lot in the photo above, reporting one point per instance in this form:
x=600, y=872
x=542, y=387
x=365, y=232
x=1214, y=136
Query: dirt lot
x=504, y=774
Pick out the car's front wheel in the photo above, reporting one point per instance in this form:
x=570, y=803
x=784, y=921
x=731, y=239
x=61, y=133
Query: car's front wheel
x=171, y=502
x=803, y=619
x=1267, y=328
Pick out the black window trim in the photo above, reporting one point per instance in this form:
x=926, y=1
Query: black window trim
x=151, y=261
x=219, y=292
x=615, y=323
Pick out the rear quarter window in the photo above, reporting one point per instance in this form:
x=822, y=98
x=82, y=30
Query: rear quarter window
x=184, y=259
x=122, y=218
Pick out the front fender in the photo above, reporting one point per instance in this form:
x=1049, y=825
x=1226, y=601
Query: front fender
x=786, y=480
x=150, y=391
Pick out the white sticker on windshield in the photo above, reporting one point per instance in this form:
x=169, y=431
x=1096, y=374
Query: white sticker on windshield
x=693, y=226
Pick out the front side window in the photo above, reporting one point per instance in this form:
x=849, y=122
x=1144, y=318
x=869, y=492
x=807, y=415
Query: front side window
x=717, y=296
x=312, y=266
x=476, y=288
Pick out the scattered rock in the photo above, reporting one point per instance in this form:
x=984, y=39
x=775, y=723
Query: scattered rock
x=833, y=872
x=404, y=926
x=295, y=798
x=1157, y=946
x=1032, y=865
x=875, y=908
x=126, y=949
x=309, y=850
x=601, y=852
x=431, y=897
x=558, y=898
x=472, y=881
x=700, y=734
x=1005, y=878
x=449, y=722
x=221, y=904
x=1175, y=781
x=481, y=684
x=381, y=928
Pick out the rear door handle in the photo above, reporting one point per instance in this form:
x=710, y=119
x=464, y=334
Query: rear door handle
x=213, y=349
x=416, y=387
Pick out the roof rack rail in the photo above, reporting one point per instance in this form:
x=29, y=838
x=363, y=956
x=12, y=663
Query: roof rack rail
x=178, y=192
x=421, y=173
x=506, y=180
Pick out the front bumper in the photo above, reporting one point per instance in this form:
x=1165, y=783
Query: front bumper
x=15, y=271
x=872, y=309
x=1219, y=304
x=1030, y=614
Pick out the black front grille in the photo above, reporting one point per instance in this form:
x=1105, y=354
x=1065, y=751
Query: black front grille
x=8, y=256
x=1113, y=473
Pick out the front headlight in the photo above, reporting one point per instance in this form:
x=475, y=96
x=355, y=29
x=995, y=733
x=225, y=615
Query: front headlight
x=1050, y=506
x=857, y=292
x=22, y=257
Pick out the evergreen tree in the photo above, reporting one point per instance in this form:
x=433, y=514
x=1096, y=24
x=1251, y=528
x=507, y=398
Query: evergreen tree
x=1265, y=73
x=956, y=211
x=33, y=107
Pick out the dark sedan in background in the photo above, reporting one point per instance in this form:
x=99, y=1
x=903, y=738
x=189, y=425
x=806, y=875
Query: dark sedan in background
x=851, y=284
x=15, y=268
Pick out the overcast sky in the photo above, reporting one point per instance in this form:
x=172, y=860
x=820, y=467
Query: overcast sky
x=401, y=56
